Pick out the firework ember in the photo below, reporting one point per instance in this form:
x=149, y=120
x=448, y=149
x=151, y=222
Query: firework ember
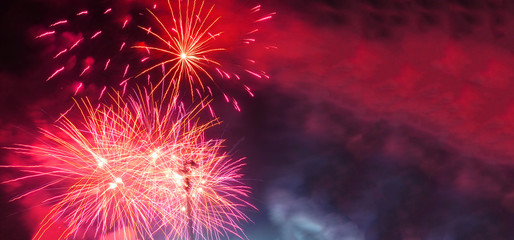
x=186, y=42
x=86, y=43
x=139, y=164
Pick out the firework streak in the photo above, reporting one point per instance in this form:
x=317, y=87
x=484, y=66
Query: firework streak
x=138, y=164
x=79, y=47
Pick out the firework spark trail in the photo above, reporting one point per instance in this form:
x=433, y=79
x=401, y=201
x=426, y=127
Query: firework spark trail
x=55, y=73
x=58, y=23
x=138, y=164
x=45, y=34
x=186, y=43
x=71, y=44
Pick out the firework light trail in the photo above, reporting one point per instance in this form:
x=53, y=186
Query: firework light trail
x=139, y=164
x=184, y=45
x=85, y=43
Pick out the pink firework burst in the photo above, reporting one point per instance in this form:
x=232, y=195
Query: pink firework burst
x=140, y=166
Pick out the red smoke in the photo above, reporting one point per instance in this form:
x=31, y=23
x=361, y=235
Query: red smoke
x=459, y=88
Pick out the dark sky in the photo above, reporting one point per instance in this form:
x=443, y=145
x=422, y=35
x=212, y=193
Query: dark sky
x=383, y=119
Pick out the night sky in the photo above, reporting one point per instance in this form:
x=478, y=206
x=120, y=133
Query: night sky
x=381, y=119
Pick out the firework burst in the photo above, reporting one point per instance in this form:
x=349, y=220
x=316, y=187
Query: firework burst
x=139, y=164
x=186, y=46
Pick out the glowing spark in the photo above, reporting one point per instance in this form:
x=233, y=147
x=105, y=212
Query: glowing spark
x=212, y=112
x=45, y=34
x=253, y=31
x=75, y=44
x=58, y=23
x=265, y=18
x=249, y=90
x=256, y=9
x=82, y=13
x=126, y=70
x=102, y=93
x=55, y=73
x=61, y=52
x=236, y=105
x=108, y=10
x=255, y=74
x=124, y=81
x=226, y=74
x=78, y=88
x=84, y=71
x=219, y=72
x=107, y=64
x=124, y=87
x=96, y=34
x=64, y=114
x=124, y=23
